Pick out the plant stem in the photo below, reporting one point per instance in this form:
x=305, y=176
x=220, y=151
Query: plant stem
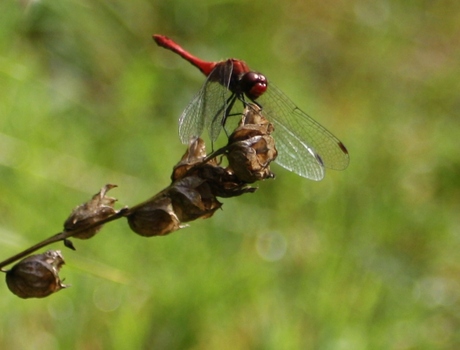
x=60, y=237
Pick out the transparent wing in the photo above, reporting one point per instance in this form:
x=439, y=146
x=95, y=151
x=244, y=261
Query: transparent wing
x=304, y=146
x=207, y=109
x=296, y=156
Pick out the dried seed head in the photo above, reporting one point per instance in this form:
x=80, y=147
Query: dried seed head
x=192, y=198
x=222, y=182
x=187, y=199
x=36, y=276
x=251, y=148
x=195, y=154
x=154, y=217
x=250, y=159
x=197, y=182
x=98, y=208
x=251, y=120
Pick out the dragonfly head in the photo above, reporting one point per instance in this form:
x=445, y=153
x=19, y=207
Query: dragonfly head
x=253, y=84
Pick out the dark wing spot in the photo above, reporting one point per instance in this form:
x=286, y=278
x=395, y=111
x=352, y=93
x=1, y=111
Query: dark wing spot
x=319, y=159
x=343, y=148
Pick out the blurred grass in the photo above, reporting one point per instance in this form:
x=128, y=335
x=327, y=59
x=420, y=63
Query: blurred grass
x=365, y=259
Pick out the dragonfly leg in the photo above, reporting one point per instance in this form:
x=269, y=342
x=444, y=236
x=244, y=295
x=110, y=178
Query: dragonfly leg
x=229, y=103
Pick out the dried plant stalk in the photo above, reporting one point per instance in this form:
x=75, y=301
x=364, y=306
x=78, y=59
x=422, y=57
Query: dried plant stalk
x=197, y=180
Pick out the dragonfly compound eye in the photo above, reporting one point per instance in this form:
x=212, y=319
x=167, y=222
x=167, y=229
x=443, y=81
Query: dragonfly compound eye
x=254, y=84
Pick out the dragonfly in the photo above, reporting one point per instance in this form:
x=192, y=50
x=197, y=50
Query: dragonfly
x=304, y=146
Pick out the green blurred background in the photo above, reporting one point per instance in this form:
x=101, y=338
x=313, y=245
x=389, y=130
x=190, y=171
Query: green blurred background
x=366, y=259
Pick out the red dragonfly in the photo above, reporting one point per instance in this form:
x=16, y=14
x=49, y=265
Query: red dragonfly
x=304, y=146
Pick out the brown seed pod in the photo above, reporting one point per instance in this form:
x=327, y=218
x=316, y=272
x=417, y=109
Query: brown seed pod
x=195, y=154
x=36, y=276
x=197, y=182
x=221, y=181
x=250, y=159
x=251, y=148
x=155, y=217
x=96, y=209
x=192, y=199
